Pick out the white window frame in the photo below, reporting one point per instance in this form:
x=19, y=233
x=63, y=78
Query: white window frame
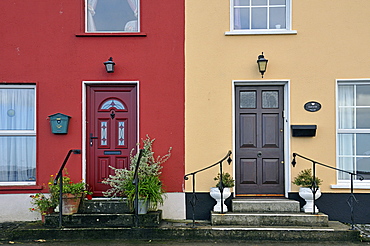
x=118, y=32
x=20, y=132
x=345, y=184
x=287, y=30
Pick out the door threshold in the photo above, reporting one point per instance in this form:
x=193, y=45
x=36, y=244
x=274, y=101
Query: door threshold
x=260, y=196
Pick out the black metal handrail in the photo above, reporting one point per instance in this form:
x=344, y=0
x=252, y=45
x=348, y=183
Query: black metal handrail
x=135, y=182
x=59, y=176
x=193, y=199
x=314, y=187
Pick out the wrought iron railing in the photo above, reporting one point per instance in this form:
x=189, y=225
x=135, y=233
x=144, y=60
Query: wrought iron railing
x=59, y=176
x=135, y=182
x=314, y=187
x=194, y=199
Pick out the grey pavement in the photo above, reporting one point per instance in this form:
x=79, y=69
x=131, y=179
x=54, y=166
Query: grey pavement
x=179, y=243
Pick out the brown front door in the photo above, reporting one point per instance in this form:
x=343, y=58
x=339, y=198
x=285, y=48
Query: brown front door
x=259, y=147
x=111, y=131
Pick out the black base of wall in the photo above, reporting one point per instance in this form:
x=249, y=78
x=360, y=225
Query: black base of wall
x=204, y=204
x=333, y=204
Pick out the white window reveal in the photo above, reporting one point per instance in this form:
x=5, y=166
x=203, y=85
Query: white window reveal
x=17, y=134
x=353, y=100
x=260, y=17
x=112, y=16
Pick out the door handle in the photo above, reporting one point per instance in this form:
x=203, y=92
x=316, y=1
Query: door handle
x=91, y=139
x=259, y=154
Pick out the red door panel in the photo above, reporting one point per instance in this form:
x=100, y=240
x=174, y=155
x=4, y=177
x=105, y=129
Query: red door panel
x=111, y=131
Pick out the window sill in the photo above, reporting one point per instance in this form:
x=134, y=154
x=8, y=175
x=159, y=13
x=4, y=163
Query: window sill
x=364, y=186
x=103, y=34
x=261, y=32
x=20, y=187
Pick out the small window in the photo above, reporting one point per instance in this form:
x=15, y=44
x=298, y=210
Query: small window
x=116, y=16
x=17, y=134
x=260, y=15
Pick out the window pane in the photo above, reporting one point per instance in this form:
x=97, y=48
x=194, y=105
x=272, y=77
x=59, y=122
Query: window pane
x=241, y=2
x=346, y=118
x=277, y=2
x=363, y=144
x=17, y=109
x=259, y=18
x=346, y=144
x=247, y=99
x=277, y=18
x=270, y=99
x=345, y=163
x=363, y=95
x=363, y=164
x=241, y=19
x=363, y=118
x=345, y=95
x=259, y=2
x=17, y=158
x=112, y=16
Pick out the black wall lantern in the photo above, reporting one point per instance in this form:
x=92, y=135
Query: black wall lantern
x=109, y=65
x=262, y=64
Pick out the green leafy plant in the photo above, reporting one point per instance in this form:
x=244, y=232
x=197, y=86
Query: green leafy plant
x=150, y=186
x=68, y=186
x=305, y=179
x=41, y=203
x=227, y=180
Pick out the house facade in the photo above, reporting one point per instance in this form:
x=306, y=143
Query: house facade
x=53, y=55
x=317, y=84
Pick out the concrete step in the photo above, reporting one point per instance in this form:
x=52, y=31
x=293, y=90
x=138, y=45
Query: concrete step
x=265, y=205
x=105, y=206
x=183, y=230
x=151, y=219
x=270, y=219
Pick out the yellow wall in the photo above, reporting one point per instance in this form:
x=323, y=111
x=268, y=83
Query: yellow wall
x=331, y=43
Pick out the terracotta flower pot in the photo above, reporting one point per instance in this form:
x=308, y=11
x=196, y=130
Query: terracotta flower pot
x=70, y=203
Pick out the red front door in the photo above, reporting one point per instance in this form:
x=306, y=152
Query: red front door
x=111, y=131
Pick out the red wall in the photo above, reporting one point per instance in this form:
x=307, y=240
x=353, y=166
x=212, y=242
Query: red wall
x=39, y=45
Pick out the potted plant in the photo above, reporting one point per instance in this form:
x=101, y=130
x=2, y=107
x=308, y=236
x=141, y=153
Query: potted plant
x=150, y=188
x=215, y=192
x=71, y=194
x=43, y=204
x=304, y=179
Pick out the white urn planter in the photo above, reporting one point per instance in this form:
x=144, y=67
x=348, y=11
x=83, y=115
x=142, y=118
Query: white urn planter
x=216, y=194
x=306, y=194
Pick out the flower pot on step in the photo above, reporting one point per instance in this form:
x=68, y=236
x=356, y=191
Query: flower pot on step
x=216, y=194
x=70, y=203
x=307, y=195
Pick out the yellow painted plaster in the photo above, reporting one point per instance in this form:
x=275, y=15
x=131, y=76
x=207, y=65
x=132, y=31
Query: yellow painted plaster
x=331, y=43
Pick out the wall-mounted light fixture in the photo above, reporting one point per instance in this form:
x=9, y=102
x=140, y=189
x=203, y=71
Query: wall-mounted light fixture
x=109, y=65
x=262, y=64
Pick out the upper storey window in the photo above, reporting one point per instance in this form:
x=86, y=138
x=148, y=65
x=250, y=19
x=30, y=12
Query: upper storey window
x=260, y=16
x=112, y=16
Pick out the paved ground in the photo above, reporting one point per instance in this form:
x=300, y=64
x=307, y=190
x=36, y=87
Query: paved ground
x=179, y=243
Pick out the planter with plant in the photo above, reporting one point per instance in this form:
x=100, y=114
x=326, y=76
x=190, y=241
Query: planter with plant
x=71, y=194
x=215, y=193
x=304, y=179
x=43, y=204
x=150, y=186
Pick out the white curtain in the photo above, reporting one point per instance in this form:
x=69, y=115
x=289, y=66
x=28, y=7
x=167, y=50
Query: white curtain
x=17, y=151
x=91, y=5
x=346, y=121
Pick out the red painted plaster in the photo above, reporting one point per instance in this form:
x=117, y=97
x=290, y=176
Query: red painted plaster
x=40, y=44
